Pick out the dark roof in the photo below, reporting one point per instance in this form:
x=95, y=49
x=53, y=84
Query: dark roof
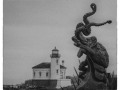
x=42, y=65
x=46, y=65
x=62, y=67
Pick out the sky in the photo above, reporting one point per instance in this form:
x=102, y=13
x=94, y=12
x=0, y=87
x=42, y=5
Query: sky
x=32, y=28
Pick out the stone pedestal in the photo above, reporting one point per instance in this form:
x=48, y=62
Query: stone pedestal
x=90, y=84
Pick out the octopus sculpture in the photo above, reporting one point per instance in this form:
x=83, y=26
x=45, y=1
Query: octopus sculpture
x=93, y=68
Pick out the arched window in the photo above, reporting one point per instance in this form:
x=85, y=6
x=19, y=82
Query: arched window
x=57, y=61
x=33, y=73
x=46, y=74
x=57, y=71
x=40, y=74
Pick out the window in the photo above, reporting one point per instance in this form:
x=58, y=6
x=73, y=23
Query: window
x=57, y=61
x=33, y=74
x=57, y=71
x=46, y=74
x=60, y=72
x=40, y=74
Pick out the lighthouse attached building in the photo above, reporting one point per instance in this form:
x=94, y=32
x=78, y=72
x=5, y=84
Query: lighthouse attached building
x=50, y=74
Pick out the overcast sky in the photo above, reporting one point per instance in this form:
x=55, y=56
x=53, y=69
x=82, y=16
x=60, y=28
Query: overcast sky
x=32, y=28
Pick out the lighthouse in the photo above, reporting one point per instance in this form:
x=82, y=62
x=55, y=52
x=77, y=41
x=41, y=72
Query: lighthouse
x=55, y=64
x=50, y=74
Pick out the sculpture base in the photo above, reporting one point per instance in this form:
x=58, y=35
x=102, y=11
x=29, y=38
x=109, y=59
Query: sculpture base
x=90, y=84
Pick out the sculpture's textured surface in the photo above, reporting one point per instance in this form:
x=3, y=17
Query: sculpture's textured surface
x=93, y=69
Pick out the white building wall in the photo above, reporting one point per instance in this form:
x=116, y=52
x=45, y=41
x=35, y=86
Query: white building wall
x=43, y=74
x=63, y=83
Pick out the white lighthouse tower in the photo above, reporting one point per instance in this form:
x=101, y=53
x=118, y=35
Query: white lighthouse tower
x=55, y=64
